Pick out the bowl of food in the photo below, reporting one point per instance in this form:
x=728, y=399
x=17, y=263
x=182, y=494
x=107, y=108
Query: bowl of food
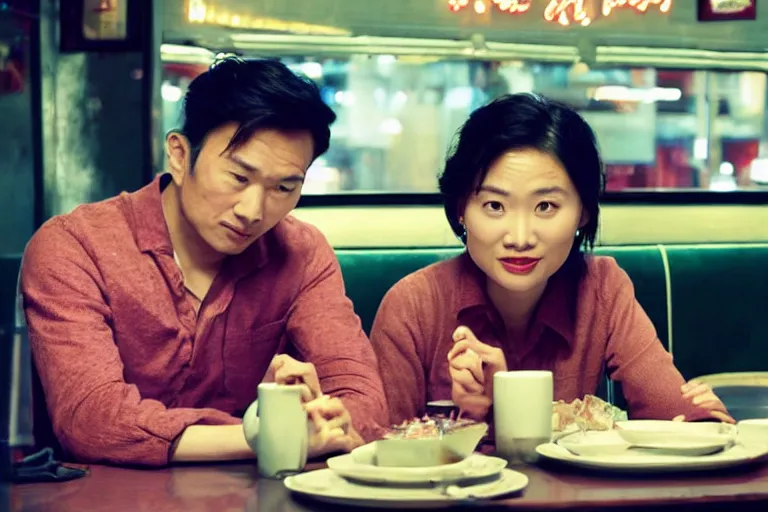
x=429, y=441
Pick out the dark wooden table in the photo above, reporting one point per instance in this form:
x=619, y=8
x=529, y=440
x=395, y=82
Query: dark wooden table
x=237, y=487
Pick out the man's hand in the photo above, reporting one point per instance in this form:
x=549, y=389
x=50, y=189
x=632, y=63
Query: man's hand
x=472, y=365
x=331, y=427
x=286, y=370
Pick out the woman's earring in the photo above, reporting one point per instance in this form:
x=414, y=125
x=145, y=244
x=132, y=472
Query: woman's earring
x=463, y=235
x=578, y=233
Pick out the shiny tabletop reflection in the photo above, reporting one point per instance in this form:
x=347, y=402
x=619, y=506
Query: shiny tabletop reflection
x=237, y=487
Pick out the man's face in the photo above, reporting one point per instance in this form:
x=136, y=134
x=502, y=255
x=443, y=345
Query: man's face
x=233, y=196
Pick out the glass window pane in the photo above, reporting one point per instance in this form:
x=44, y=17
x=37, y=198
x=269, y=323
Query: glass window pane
x=397, y=116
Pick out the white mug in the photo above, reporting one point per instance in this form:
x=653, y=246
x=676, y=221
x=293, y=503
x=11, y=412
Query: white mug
x=522, y=413
x=280, y=433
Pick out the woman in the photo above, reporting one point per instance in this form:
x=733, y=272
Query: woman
x=521, y=190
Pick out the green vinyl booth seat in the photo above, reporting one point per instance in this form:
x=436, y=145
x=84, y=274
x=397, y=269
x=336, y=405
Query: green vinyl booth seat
x=709, y=303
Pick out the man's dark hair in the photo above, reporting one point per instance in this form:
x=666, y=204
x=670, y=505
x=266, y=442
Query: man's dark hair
x=524, y=121
x=255, y=94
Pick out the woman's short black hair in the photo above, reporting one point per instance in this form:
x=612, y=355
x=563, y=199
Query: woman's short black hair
x=523, y=121
x=255, y=94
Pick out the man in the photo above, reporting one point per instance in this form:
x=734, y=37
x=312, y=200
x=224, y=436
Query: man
x=153, y=316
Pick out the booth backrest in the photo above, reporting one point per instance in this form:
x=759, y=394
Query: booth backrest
x=369, y=273
x=706, y=301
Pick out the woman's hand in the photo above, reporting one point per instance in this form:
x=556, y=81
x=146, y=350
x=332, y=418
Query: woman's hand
x=471, y=365
x=702, y=395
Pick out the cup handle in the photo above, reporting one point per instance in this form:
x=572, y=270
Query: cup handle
x=251, y=426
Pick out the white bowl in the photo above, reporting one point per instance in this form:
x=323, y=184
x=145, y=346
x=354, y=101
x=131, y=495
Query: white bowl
x=456, y=445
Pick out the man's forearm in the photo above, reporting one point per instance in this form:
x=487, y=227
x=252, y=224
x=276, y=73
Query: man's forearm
x=368, y=416
x=209, y=443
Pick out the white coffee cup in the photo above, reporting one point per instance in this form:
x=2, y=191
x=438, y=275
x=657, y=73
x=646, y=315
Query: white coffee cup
x=281, y=430
x=522, y=413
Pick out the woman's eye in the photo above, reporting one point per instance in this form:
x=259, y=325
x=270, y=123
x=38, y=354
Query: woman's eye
x=546, y=207
x=494, y=206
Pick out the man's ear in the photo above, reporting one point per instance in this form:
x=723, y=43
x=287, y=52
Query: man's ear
x=179, y=154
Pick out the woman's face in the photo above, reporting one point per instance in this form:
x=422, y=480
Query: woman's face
x=522, y=221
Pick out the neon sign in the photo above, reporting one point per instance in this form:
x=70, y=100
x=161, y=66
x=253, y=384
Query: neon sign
x=481, y=6
x=564, y=12
x=638, y=5
x=513, y=6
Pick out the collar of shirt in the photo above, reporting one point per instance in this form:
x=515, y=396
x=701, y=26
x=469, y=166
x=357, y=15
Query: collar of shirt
x=556, y=309
x=152, y=234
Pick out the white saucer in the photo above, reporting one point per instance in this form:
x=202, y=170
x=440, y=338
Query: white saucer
x=325, y=485
x=357, y=467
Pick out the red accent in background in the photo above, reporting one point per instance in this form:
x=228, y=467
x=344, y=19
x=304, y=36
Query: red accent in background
x=12, y=75
x=683, y=80
x=706, y=12
x=741, y=153
x=184, y=70
x=671, y=170
x=104, y=6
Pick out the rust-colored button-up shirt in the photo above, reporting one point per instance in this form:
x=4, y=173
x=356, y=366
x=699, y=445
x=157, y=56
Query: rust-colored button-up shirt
x=127, y=364
x=581, y=329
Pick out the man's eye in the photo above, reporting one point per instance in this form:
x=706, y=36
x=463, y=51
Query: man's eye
x=239, y=177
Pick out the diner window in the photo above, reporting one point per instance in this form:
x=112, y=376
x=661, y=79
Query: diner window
x=397, y=116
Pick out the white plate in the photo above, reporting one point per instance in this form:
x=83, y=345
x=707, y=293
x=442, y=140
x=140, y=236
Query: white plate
x=646, y=461
x=325, y=485
x=356, y=467
x=675, y=434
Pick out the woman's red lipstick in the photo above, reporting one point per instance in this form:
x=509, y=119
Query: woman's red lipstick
x=519, y=265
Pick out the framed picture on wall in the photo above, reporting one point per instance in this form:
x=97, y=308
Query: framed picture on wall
x=102, y=25
x=727, y=10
